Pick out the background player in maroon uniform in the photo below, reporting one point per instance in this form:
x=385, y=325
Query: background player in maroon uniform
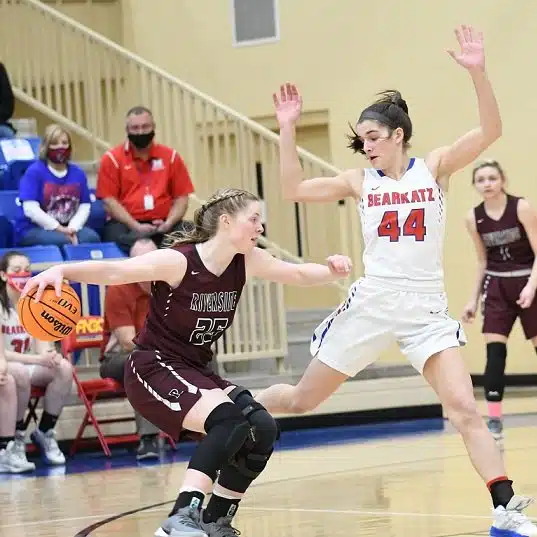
x=504, y=232
x=196, y=285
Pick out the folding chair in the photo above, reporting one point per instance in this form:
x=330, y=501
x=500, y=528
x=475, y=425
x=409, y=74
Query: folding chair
x=35, y=395
x=89, y=334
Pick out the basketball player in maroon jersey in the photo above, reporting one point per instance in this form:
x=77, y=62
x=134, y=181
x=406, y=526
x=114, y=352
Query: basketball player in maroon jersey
x=196, y=286
x=504, y=232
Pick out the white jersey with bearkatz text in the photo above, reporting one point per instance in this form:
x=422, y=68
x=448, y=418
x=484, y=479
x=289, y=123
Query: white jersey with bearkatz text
x=403, y=224
x=16, y=338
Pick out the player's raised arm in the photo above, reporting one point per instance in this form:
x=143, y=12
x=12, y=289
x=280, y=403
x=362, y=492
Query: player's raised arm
x=295, y=187
x=164, y=265
x=261, y=264
x=467, y=148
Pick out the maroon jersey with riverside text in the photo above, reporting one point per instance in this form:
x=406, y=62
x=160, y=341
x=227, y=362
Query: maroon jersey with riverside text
x=505, y=240
x=187, y=320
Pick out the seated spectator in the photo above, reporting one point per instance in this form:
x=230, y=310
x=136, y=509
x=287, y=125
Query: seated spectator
x=31, y=363
x=55, y=197
x=125, y=309
x=7, y=104
x=12, y=452
x=144, y=185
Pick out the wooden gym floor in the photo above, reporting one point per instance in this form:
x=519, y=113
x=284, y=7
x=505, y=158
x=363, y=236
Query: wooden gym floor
x=391, y=480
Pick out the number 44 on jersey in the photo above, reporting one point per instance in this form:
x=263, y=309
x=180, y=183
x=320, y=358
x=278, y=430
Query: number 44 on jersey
x=413, y=226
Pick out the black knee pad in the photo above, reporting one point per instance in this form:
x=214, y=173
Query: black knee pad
x=254, y=455
x=265, y=428
x=227, y=430
x=494, y=378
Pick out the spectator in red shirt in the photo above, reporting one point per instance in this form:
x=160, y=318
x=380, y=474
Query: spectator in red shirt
x=125, y=309
x=144, y=185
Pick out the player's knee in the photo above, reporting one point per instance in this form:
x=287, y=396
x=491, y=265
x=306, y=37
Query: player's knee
x=65, y=370
x=8, y=390
x=265, y=429
x=227, y=430
x=21, y=374
x=300, y=402
x=494, y=377
x=463, y=414
x=226, y=419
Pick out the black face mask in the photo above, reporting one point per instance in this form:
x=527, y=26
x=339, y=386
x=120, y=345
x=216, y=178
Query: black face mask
x=141, y=141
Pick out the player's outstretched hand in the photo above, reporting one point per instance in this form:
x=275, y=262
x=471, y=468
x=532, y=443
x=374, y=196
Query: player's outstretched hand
x=468, y=314
x=340, y=265
x=472, y=53
x=288, y=105
x=52, y=277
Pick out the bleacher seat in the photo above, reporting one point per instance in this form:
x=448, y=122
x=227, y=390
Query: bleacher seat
x=97, y=217
x=9, y=210
x=6, y=232
x=10, y=204
x=15, y=157
x=94, y=250
x=13, y=174
x=85, y=252
x=38, y=254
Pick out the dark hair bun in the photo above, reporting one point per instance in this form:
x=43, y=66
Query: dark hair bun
x=393, y=97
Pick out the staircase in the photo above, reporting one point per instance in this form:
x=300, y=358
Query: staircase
x=86, y=82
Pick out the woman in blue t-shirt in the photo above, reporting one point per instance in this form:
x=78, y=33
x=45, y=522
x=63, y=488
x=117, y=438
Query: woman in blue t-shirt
x=55, y=197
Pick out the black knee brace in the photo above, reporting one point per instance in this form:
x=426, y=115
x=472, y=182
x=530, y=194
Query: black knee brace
x=254, y=455
x=494, y=378
x=227, y=430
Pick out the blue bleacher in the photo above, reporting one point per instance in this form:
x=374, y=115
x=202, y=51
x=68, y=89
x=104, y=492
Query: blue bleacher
x=11, y=171
x=38, y=254
x=97, y=217
x=6, y=232
x=84, y=252
x=9, y=211
x=9, y=204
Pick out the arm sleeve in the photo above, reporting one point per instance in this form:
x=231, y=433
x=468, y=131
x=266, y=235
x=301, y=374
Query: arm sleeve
x=80, y=217
x=33, y=211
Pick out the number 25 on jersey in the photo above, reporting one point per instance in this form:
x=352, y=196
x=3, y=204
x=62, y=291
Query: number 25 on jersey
x=414, y=225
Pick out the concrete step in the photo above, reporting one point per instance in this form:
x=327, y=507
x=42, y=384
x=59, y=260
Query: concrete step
x=302, y=323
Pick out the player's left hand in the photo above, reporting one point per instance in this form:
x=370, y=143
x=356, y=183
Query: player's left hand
x=472, y=53
x=339, y=264
x=526, y=296
x=52, y=276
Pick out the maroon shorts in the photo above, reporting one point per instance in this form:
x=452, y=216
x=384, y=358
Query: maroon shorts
x=164, y=389
x=499, y=307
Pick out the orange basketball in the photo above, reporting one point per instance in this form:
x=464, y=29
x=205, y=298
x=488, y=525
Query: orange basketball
x=52, y=318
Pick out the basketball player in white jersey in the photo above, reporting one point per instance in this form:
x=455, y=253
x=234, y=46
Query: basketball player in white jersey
x=31, y=363
x=401, y=201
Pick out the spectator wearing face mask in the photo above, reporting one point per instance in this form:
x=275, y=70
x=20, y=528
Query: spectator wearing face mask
x=55, y=196
x=144, y=185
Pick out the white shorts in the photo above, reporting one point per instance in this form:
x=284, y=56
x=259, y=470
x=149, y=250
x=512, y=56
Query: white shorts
x=372, y=317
